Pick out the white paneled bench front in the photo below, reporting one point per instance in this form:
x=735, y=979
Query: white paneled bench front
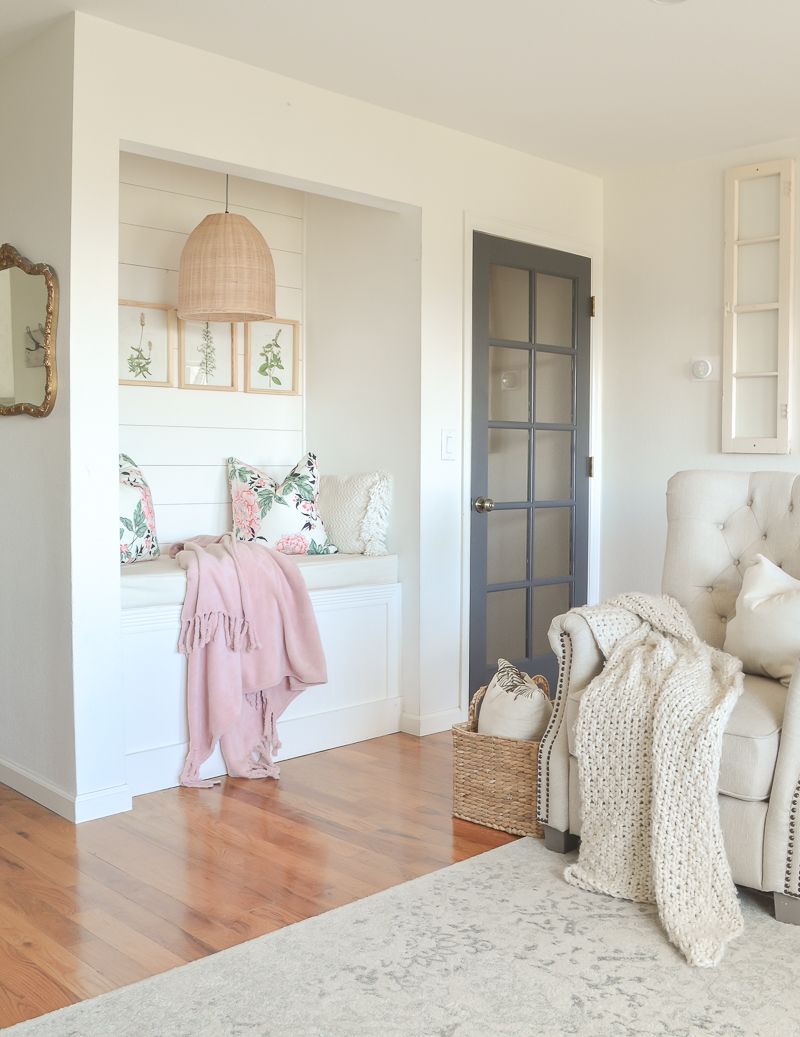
x=357, y=602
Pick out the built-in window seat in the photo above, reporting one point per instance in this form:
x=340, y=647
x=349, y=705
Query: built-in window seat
x=357, y=603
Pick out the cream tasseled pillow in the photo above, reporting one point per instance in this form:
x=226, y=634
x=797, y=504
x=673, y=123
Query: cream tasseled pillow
x=765, y=632
x=355, y=509
x=514, y=706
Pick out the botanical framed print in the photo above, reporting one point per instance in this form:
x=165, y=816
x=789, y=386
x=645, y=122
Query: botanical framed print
x=207, y=355
x=146, y=337
x=272, y=356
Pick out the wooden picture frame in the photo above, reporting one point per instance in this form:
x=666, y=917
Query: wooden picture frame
x=190, y=350
x=134, y=355
x=259, y=336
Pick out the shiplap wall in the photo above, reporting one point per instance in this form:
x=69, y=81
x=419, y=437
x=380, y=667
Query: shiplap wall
x=181, y=437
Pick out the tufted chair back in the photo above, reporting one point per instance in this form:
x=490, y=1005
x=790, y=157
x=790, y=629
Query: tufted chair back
x=717, y=523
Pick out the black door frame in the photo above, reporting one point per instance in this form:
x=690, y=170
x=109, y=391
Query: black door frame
x=487, y=250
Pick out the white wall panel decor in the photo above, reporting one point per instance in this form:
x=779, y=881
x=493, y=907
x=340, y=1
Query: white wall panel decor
x=181, y=437
x=759, y=259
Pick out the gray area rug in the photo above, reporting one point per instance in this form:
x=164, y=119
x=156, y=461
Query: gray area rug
x=497, y=945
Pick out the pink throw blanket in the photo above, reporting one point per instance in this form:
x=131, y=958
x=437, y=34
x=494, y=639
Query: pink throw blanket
x=252, y=642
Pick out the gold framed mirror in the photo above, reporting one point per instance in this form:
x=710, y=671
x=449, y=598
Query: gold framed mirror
x=28, y=319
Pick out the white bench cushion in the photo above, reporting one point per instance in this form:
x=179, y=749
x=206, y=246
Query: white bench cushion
x=163, y=582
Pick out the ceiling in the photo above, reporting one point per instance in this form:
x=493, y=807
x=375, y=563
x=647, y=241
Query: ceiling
x=596, y=84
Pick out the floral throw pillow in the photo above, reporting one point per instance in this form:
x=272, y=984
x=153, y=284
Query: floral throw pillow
x=137, y=520
x=283, y=515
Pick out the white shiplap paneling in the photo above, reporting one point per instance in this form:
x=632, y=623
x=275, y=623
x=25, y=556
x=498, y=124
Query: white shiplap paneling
x=181, y=437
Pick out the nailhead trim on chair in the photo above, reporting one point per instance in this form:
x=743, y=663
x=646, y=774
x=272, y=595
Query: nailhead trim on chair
x=787, y=883
x=563, y=681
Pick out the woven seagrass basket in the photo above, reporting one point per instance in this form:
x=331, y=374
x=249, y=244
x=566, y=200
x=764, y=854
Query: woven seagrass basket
x=494, y=779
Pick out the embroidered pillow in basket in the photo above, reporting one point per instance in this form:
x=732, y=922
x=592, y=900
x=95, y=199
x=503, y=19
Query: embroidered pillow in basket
x=356, y=511
x=282, y=515
x=514, y=706
x=137, y=520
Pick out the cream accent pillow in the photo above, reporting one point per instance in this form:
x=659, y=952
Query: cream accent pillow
x=765, y=632
x=355, y=509
x=514, y=706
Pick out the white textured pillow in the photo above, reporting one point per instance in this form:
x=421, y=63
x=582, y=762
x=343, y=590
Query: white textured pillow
x=355, y=509
x=514, y=706
x=765, y=632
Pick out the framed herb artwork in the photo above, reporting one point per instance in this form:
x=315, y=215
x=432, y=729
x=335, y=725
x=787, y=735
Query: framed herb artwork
x=207, y=355
x=146, y=336
x=272, y=356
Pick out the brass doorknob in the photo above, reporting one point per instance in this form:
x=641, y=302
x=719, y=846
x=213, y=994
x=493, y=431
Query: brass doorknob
x=484, y=504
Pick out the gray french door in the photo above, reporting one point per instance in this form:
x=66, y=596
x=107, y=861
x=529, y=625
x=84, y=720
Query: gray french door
x=530, y=445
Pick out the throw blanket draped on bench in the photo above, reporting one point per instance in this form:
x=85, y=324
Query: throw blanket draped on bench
x=648, y=742
x=252, y=642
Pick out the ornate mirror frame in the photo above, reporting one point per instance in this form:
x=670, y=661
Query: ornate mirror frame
x=9, y=257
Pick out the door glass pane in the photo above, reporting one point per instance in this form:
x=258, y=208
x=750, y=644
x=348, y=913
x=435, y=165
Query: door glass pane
x=553, y=310
x=508, y=464
x=553, y=388
x=759, y=207
x=551, y=543
x=506, y=619
x=553, y=465
x=756, y=403
x=507, y=546
x=509, y=303
x=757, y=341
x=758, y=273
x=509, y=384
x=548, y=602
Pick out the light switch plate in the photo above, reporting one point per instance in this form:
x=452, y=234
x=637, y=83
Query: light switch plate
x=449, y=444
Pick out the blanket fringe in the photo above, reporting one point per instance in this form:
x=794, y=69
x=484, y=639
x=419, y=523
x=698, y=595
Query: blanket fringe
x=201, y=629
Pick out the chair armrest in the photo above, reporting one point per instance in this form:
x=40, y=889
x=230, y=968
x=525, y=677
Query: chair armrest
x=579, y=662
x=782, y=830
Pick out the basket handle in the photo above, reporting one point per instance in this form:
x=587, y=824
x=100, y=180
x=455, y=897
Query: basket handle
x=542, y=682
x=475, y=708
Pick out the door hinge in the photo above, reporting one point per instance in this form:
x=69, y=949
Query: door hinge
x=593, y=306
x=590, y=467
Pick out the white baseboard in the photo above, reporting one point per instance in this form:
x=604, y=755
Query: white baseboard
x=152, y=770
x=431, y=723
x=91, y=805
x=86, y=807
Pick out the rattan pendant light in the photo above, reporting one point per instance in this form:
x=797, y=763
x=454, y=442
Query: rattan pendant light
x=226, y=271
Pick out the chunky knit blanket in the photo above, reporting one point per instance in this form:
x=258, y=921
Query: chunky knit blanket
x=648, y=743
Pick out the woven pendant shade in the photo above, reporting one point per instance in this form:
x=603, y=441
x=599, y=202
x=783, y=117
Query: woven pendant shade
x=226, y=272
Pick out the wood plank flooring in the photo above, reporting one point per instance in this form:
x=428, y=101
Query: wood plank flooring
x=189, y=872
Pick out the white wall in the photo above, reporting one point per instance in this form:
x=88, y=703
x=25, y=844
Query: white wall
x=363, y=371
x=36, y=678
x=181, y=437
x=663, y=305
x=154, y=96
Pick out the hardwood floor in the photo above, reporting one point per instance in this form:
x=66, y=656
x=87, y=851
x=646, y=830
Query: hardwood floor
x=188, y=872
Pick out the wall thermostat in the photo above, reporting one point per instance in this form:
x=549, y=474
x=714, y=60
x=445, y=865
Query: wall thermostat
x=704, y=369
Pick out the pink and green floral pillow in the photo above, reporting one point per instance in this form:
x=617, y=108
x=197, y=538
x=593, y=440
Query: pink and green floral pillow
x=137, y=520
x=283, y=515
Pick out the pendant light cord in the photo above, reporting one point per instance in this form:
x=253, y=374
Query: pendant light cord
x=227, y=210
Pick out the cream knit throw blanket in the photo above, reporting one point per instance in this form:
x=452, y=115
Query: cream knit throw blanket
x=649, y=740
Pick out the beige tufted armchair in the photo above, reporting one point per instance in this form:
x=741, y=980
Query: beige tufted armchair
x=718, y=523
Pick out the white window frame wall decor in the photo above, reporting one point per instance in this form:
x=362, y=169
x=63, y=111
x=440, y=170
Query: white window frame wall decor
x=736, y=373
